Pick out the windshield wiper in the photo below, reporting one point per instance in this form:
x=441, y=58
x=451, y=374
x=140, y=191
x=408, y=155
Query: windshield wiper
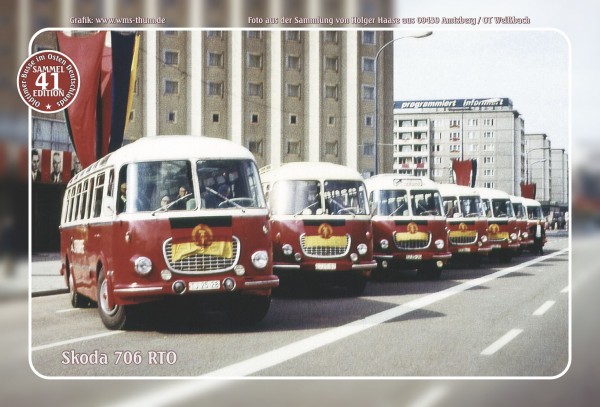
x=308, y=207
x=225, y=199
x=166, y=208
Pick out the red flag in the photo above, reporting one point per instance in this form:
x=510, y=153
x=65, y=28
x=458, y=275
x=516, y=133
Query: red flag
x=81, y=115
x=463, y=171
x=106, y=94
x=528, y=190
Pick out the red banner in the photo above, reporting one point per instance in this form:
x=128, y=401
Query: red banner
x=464, y=172
x=106, y=95
x=528, y=190
x=81, y=115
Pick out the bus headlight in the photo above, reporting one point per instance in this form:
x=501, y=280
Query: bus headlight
x=525, y=235
x=513, y=236
x=484, y=238
x=384, y=244
x=362, y=249
x=439, y=244
x=260, y=259
x=142, y=265
x=287, y=249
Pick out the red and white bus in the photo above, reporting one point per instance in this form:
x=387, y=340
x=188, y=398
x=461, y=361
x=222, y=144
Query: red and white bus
x=467, y=224
x=409, y=225
x=320, y=223
x=524, y=237
x=502, y=223
x=168, y=216
x=535, y=217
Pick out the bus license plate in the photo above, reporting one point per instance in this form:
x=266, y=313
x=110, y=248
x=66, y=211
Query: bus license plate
x=496, y=246
x=414, y=256
x=464, y=250
x=325, y=266
x=205, y=285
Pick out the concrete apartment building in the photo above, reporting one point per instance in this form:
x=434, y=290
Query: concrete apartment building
x=285, y=95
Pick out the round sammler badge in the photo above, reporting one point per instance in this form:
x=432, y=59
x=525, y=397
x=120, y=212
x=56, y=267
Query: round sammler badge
x=48, y=81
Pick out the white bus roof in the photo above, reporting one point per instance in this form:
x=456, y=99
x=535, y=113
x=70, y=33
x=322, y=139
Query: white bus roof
x=170, y=148
x=517, y=199
x=398, y=181
x=457, y=190
x=490, y=193
x=310, y=171
x=530, y=202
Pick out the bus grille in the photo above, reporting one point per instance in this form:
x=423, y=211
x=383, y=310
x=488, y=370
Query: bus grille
x=462, y=238
x=412, y=241
x=499, y=237
x=324, y=249
x=201, y=263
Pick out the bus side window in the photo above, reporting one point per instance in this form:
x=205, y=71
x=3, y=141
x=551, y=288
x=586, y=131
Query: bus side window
x=98, y=196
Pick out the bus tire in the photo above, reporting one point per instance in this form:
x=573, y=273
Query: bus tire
x=77, y=300
x=115, y=318
x=249, y=309
x=356, y=285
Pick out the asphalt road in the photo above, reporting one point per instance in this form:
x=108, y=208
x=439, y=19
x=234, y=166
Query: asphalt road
x=494, y=321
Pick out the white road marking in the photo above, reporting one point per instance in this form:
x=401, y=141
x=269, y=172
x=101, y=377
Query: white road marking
x=75, y=340
x=180, y=391
x=431, y=396
x=500, y=343
x=545, y=307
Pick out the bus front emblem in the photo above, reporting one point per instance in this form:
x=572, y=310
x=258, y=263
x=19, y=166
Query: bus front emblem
x=202, y=235
x=412, y=228
x=325, y=231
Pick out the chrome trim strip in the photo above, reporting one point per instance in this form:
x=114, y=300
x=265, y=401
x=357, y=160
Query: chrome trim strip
x=364, y=266
x=286, y=266
x=261, y=283
x=137, y=289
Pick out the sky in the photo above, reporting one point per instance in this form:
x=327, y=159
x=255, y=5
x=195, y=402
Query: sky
x=530, y=67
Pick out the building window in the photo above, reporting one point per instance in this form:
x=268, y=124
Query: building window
x=254, y=34
x=454, y=136
x=436, y=147
x=437, y=173
x=405, y=123
x=421, y=123
x=292, y=62
x=419, y=147
x=369, y=121
x=330, y=36
x=488, y=160
x=254, y=60
x=420, y=136
x=172, y=117
x=215, y=59
x=293, y=147
x=473, y=122
x=488, y=122
x=254, y=118
x=368, y=64
x=331, y=148
x=368, y=92
x=406, y=149
x=292, y=35
x=214, y=34
x=293, y=119
x=472, y=135
x=368, y=149
x=437, y=123
x=454, y=148
x=331, y=64
x=473, y=147
x=488, y=134
x=255, y=89
x=331, y=120
x=489, y=185
x=488, y=173
x=454, y=124
x=437, y=160
x=215, y=117
x=171, y=58
x=255, y=147
x=368, y=37
x=215, y=89
x=293, y=90
x=331, y=91
x=171, y=87
x=405, y=136
x=488, y=147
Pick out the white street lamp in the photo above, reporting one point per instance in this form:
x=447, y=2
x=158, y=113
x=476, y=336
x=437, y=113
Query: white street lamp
x=425, y=34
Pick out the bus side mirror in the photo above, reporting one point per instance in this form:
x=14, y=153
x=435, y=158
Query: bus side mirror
x=110, y=209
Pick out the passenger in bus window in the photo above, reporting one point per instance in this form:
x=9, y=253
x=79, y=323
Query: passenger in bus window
x=122, y=200
x=181, y=198
x=312, y=200
x=164, y=202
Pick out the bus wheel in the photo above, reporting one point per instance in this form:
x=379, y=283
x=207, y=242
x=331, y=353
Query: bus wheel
x=114, y=318
x=77, y=300
x=249, y=309
x=356, y=285
x=430, y=271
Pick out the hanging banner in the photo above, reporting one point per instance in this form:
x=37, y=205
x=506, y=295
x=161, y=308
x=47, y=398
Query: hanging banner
x=528, y=190
x=465, y=172
x=81, y=115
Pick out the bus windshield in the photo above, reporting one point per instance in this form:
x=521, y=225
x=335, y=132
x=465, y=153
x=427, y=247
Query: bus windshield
x=534, y=212
x=229, y=184
x=148, y=186
x=345, y=197
x=390, y=202
x=502, y=208
x=426, y=203
x=519, y=210
x=296, y=197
